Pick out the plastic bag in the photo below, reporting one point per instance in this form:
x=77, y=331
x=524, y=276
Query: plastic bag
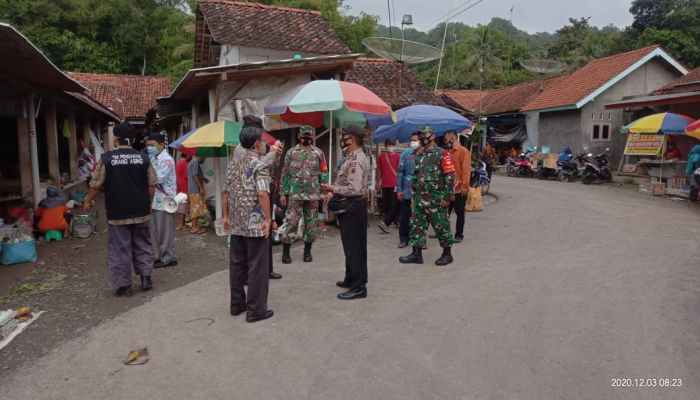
x=474, y=201
x=17, y=253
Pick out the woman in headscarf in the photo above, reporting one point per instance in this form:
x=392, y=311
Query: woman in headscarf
x=52, y=213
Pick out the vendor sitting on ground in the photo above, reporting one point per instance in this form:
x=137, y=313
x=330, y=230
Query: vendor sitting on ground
x=52, y=213
x=672, y=153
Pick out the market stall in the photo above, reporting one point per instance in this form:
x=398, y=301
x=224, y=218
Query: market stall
x=657, y=147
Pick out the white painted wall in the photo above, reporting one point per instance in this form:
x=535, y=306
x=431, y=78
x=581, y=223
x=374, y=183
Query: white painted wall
x=231, y=55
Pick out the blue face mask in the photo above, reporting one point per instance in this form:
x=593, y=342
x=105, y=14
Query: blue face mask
x=152, y=151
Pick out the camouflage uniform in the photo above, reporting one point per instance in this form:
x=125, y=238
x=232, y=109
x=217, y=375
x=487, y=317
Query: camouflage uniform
x=433, y=180
x=303, y=172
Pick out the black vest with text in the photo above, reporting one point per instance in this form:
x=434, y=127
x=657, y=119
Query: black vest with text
x=126, y=184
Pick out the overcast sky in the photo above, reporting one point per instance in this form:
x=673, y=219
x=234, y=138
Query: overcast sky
x=529, y=15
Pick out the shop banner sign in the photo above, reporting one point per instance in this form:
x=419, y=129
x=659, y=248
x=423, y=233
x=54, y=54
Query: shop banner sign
x=643, y=144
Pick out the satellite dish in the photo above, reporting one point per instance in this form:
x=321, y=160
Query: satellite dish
x=543, y=68
x=403, y=51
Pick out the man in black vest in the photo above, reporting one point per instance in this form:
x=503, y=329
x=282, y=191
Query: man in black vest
x=128, y=181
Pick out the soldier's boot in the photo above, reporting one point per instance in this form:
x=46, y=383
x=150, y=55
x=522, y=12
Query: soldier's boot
x=416, y=257
x=286, y=258
x=445, y=258
x=307, y=252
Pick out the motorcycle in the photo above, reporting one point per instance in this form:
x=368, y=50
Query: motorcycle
x=547, y=173
x=481, y=178
x=569, y=170
x=522, y=166
x=596, y=168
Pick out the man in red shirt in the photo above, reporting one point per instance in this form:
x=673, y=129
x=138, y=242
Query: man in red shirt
x=181, y=174
x=387, y=167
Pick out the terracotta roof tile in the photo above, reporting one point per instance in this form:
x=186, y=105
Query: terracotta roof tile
x=582, y=82
x=468, y=99
x=271, y=27
x=130, y=96
x=513, y=98
x=382, y=77
x=689, y=82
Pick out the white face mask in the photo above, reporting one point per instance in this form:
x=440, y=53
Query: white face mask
x=390, y=149
x=414, y=144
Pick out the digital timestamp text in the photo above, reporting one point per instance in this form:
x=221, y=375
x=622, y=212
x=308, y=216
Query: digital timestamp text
x=646, y=382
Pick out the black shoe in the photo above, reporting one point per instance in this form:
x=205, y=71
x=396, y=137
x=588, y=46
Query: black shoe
x=445, y=258
x=416, y=257
x=342, y=284
x=402, y=245
x=286, y=258
x=307, y=252
x=146, y=283
x=125, y=291
x=458, y=239
x=161, y=264
x=359, y=293
x=255, y=318
x=275, y=275
x=235, y=312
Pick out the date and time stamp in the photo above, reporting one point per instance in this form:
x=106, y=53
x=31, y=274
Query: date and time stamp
x=646, y=382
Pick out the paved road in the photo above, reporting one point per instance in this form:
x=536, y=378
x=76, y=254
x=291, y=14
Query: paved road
x=558, y=289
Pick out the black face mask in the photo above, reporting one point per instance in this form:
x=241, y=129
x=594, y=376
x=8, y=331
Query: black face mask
x=306, y=141
x=448, y=145
x=425, y=140
x=345, y=142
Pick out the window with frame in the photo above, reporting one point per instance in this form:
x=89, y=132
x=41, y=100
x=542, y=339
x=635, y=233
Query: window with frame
x=600, y=132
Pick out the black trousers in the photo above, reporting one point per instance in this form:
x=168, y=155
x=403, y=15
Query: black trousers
x=458, y=205
x=249, y=261
x=390, y=206
x=353, y=233
x=405, y=221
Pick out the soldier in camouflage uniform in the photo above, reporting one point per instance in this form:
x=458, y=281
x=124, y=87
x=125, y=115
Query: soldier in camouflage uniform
x=304, y=170
x=433, y=186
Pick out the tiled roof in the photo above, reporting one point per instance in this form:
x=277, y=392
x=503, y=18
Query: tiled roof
x=137, y=93
x=689, y=82
x=581, y=83
x=513, y=98
x=382, y=77
x=468, y=99
x=271, y=27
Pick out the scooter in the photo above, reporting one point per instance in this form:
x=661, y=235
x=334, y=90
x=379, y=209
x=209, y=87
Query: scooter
x=546, y=173
x=522, y=166
x=481, y=178
x=596, y=168
x=569, y=170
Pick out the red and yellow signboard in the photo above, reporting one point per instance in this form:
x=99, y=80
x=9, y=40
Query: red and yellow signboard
x=644, y=145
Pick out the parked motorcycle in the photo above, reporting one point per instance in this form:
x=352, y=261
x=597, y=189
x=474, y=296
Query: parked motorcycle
x=568, y=171
x=522, y=166
x=480, y=177
x=596, y=168
x=546, y=173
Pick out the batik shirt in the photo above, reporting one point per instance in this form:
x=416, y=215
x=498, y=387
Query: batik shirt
x=433, y=176
x=247, y=175
x=407, y=164
x=303, y=172
x=166, y=183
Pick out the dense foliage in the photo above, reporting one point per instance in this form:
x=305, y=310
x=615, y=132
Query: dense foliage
x=155, y=37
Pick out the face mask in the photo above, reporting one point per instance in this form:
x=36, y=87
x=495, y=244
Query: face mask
x=152, y=151
x=345, y=142
x=305, y=141
x=448, y=144
x=390, y=149
x=425, y=140
x=414, y=144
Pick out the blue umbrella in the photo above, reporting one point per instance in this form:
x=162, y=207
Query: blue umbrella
x=412, y=118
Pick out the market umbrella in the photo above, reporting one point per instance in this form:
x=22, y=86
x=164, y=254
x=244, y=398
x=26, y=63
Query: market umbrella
x=693, y=130
x=663, y=123
x=177, y=144
x=213, y=140
x=412, y=118
x=330, y=103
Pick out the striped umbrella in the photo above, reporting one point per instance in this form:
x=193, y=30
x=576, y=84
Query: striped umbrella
x=663, y=123
x=693, y=130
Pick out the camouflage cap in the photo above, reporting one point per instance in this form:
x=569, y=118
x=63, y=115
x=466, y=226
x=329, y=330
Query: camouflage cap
x=306, y=130
x=427, y=129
